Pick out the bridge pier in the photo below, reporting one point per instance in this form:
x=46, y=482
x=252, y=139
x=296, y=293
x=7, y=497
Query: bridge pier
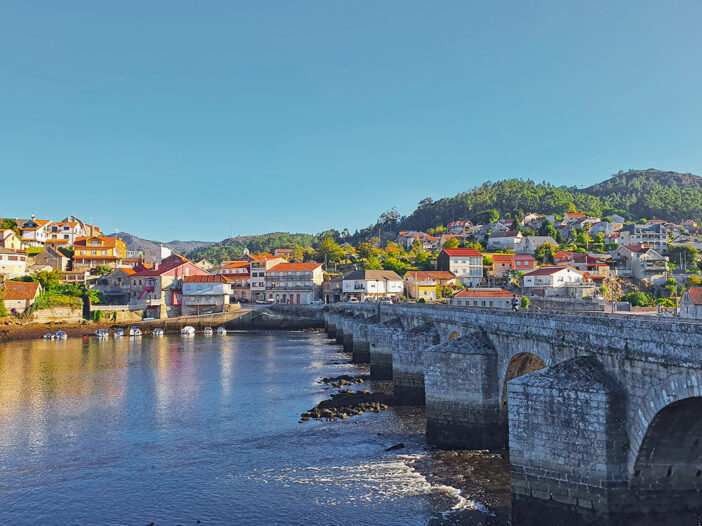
x=339, y=325
x=361, y=345
x=462, y=394
x=567, y=443
x=408, y=348
x=380, y=348
x=329, y=325
x=348, y=323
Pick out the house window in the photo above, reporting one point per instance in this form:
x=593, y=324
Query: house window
x=94, y=252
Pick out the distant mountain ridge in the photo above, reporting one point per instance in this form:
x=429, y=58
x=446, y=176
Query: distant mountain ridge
x=179, y=247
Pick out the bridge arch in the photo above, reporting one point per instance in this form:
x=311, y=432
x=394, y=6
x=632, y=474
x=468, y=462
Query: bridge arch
x=519, y=364
x=668, y=468
x=676, y=388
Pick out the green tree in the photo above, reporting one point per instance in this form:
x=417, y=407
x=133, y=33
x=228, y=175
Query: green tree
x=547, y=229
x=330, y=251
x=423, y=261
x=486, y=216
x=102, y=270
x=544, y=252
x=416, y=247
x=683, y=255
x=373, y=263
x=392, y=263
x=452, y=243
x=48, y=279
x=525, y=302
x=693, y=281
x=639, y=299
x=366, y=250
x=516, y=225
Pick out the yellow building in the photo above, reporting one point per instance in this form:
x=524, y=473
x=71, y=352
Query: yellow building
x=89, y=252
x=10, y=240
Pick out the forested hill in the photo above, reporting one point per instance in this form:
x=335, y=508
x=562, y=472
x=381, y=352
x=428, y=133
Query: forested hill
x=635, y=194
x=233, y=247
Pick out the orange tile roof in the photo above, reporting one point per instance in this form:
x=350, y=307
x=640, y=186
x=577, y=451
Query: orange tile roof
x=40, y=223
x=95, y=257
x=695, y=294
x=287, y=267
x=204, y=279
x=503, y=258
x=107, y=242
x=57, y=241
x=473, y=293
x=432, y=274
x=234, y=264
x=20, y=290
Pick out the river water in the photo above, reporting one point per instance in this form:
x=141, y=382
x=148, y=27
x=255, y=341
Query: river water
x=178, y=430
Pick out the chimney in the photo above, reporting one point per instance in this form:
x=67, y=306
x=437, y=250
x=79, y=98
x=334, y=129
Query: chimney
x=33, y=217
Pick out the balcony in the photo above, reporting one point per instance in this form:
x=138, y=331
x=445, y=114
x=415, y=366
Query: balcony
x=281, y=288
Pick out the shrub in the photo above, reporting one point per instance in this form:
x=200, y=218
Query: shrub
x=525, y=302
x=421, y=300
x=638, y=299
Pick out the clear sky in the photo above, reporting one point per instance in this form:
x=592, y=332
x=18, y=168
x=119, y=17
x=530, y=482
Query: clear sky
x=197, y=120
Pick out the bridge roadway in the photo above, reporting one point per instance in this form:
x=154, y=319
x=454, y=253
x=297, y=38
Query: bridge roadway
x=602, y=414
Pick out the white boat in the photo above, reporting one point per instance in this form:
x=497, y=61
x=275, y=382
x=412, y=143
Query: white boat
x=208, y=331
x=119, y=333
x=102, y=333
x=60, y=335
x=158, y=332
x=134, y=331
x=188, y=331
x=49, y=336
x=221, y=331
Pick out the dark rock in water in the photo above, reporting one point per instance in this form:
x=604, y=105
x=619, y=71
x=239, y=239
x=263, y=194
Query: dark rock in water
x=396, y=447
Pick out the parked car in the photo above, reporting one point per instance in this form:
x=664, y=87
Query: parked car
x=317, y=302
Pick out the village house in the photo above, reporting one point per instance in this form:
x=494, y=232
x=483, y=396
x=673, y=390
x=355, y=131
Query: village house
x=333, y=288
x=205, y=265
x=459, y=227
x=259, y=265
x=76, y=277
x=18, y=296
x=205, y=294
x=90, y=252
x=509, y=240
x=582, y=262
x=532, y=218
x=602, y=227
x=294, y=283
x=405, y=240
x=641, y=262
x=421, y=284
x=238, y=274
x=504, y=264
x=116, y=286
x=485, y=298
x=53, y=258
x=653, y=234
x=10, y=240
x=34, y=231
x=64, y=233
x=555, y=281
x=691, y=304
x=372, y=284
x=572, y=217
x=157, y=254
x=616, y=219
x=12, y=264
x=465, y=263
x=159, y=290
x=530, y=243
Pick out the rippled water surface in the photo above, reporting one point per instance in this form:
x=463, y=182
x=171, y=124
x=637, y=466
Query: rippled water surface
x=174, y=430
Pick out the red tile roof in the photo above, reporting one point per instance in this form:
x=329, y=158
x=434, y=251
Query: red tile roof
x=574, y=214
x=639, y=249
x=287, y=267
x=502, y=258
x=473, y=293
x=234, y=264
x=462, y=252
x=20, y=290
x=695, y=294
x=204, y=279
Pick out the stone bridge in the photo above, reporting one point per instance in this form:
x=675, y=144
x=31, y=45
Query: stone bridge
x=602, y=414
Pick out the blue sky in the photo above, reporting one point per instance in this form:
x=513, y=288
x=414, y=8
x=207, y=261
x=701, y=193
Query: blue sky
x=197, y=120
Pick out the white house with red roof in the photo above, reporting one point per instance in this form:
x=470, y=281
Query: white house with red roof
x=205, y=294
x=294, y=283
x=495, y=298
x=405, y=240
x=554, y=281
x=65, y=233
x=18, y=296
x=260, y=264
x=640, y=261
x=464, y=263
x=159, y=290
x=34, y=231
x=238, y=274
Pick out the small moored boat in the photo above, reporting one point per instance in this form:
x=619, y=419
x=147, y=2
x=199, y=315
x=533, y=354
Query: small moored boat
x=60, y=335
x=119, y=333
x=221, y=331
x=134, y=331
x=188, y=331
x=158, y=332
x=49, y=336
x=208, y=331
x=102, y=333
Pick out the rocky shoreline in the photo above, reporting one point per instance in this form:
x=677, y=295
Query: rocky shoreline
x=12, y=330
x=346, y=402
